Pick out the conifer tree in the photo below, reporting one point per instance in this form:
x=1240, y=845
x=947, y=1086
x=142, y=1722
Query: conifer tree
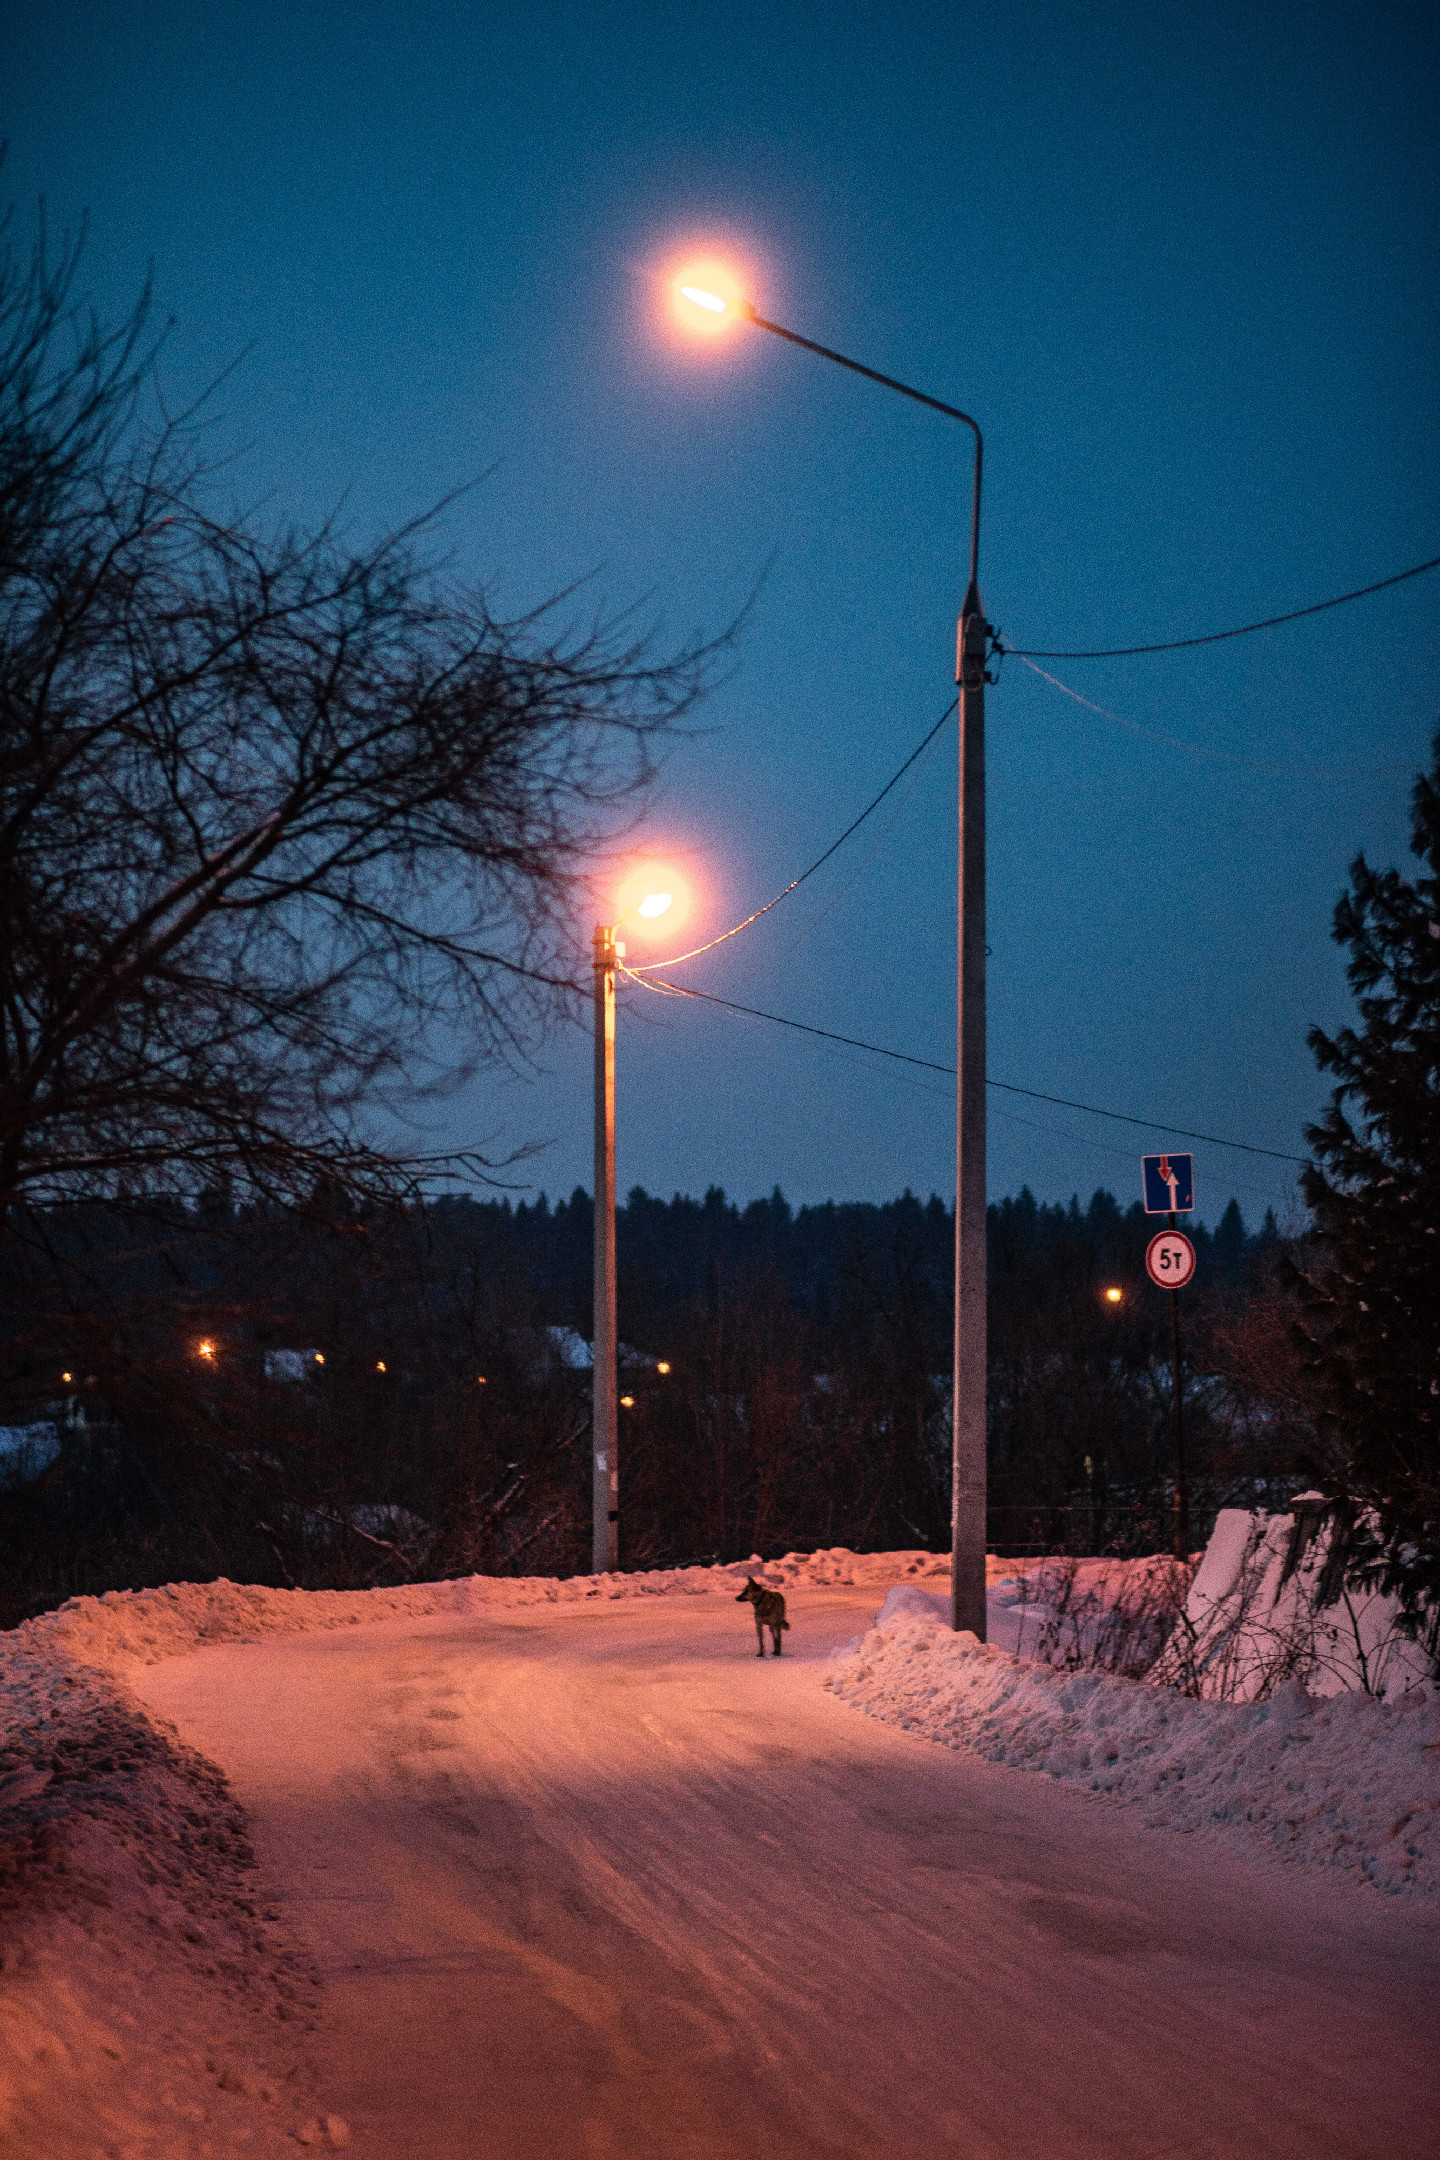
x=1371, y=1302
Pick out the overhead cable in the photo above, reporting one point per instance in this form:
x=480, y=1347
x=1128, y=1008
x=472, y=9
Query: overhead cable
x=1217, y=637
x=854, y=827
x=1219, y=757
x=902, y=1057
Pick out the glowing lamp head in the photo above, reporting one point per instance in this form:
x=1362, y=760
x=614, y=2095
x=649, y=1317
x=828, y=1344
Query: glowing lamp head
x=1113, y=1296
x=663, y=1366
x=380, y=1364
x=707, y=298
x=653, y=900
x=67, y=1378
x=627, y=1402
x=206, y=1350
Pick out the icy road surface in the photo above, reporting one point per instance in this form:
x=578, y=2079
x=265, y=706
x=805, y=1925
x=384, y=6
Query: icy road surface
x=596, y=1881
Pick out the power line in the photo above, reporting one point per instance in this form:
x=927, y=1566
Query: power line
x=902, y=1057
x=1217, y=637
x=1030, y=654
x=1218, y=757
x=854, y=827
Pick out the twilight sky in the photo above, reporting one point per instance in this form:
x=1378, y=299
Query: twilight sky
x=1179, y=261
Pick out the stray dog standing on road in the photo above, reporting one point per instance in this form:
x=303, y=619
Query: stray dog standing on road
x=769, y=1612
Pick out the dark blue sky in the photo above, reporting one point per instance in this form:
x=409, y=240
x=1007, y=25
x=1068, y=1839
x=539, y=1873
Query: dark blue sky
x=1180, y=262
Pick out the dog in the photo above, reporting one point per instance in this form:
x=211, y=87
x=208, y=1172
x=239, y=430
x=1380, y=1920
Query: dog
x=769, y=1612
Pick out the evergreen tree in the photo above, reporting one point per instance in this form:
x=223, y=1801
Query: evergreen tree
x=1371, y=1331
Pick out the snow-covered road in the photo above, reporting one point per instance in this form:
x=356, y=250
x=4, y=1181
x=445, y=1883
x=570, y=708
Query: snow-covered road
x=594, y=1881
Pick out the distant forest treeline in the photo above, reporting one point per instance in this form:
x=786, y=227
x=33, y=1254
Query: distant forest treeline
x=439, y=1420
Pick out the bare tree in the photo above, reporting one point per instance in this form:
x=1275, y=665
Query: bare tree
x=280, y=820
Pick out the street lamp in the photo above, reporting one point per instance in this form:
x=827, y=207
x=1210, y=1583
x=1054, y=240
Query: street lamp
x=713, y=309
x=649, y=905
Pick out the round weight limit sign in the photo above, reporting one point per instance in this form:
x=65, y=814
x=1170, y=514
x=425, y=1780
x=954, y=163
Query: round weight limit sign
x=1170, y=1260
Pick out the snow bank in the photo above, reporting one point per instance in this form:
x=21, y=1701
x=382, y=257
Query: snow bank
x=1351, y=1783
x=148, y=2005
x=1261, y=1612
x=126, y=1627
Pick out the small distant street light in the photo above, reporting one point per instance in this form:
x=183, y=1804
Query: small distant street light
x=627, y=1402
x=206, y=1350
x=662, y=1367
x=711, y=302
x=380, y=1364
x=67, y=1378
x=650, y=902
x=1114, y=1296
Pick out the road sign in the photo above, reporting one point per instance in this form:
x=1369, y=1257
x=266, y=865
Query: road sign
x=1170, y=1259
x=1169, y=1184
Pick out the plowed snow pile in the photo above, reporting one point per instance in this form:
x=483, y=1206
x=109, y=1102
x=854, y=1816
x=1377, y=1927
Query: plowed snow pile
x=1348, y=1782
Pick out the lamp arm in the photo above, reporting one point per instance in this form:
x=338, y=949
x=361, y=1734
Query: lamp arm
x=888, y=382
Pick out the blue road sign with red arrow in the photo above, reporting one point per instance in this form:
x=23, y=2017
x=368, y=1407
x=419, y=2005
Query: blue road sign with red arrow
x=1169, y=1184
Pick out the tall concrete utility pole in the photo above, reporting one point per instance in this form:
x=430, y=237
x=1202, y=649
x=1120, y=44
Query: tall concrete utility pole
x=605, y=1413
x=967, y=1401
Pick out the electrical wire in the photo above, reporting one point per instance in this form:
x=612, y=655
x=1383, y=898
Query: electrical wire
x=1217, y=637
x=1219, y=757
x=1009, y=1087
x=892, y=783
x=1030, y=655
x=836, y=900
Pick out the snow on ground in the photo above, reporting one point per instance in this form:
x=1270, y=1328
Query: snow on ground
x=1349, y=1783
x=138, y=1626
x=1261, y=1611
x=150, y=2009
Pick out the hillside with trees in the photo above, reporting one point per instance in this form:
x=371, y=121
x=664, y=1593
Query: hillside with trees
x=342, y=1393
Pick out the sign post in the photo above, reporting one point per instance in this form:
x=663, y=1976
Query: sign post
x=1170, y=1264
